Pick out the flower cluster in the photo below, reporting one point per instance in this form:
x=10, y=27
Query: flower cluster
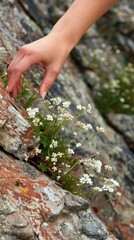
x=32, y=112
x=85, y=179
x=54, y=144
x=58, y=155
x=83, y=108
x=84, y=126
x=94, y=167
x=92, y=164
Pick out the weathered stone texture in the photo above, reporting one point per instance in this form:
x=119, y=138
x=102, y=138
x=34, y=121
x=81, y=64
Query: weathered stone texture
x=36, y=208
x=29, y=196
x=125, y=125
x=16, y=134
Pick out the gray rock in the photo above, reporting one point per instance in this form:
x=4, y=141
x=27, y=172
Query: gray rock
x=92, y=227
x=48, y=208
x=125, y=125
x=36, y=208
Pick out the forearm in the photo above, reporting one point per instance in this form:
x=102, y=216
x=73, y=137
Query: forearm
x=79, y=17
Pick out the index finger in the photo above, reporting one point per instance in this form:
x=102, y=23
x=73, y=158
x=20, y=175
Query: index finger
x=18, y=69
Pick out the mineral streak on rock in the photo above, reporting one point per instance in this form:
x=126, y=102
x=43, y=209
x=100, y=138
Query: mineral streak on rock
x=16, y=134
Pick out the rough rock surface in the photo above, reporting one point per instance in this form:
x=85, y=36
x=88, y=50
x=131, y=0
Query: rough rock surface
x=25, y=22
x=125, y=125
x=16, y=134
x=34, y=207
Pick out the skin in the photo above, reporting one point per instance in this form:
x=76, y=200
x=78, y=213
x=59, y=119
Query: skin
x=51, y=51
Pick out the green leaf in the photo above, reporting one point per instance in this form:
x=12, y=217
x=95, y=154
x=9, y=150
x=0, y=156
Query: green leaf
x=42, y=167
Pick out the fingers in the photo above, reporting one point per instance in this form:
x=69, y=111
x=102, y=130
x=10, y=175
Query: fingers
x=49, y=78
x=16, y=90
x=16, y=71
x=16, y=60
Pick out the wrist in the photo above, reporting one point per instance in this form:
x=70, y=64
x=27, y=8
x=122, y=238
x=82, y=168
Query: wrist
x=64, y=37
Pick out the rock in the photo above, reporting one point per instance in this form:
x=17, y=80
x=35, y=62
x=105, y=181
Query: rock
x=121, y=19
x=125, y=125
x=36, y=208
x=16, y=134
x=60, y=213
x=81, y=54
x=92, y=227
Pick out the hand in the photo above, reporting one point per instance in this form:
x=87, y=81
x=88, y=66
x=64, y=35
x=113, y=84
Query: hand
x=49, y=52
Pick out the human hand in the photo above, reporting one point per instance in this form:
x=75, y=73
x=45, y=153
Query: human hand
x=49, y=52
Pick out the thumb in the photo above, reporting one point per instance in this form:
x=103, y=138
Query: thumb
x=48, y=80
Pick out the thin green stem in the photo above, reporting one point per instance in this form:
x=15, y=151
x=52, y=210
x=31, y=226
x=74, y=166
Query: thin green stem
x=90, y=139
x=71, y=168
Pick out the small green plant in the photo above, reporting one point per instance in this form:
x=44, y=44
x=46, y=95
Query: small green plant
x=115, y=92
x=27, y=95
x=56, y=155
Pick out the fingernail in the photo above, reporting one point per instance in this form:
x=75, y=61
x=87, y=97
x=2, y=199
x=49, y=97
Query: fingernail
x=44, y=94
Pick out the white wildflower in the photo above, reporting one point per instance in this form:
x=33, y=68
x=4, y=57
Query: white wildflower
x=53, y=159
x=97, y=189
x=85, y=179
x=75, y=133
x=54, y=168
x=58, y=177
x=114, y=182
x=100, y=129
x=37, y=151
x=60, y=154
x=122, y=100
x=66, y=104
x=65, y=116
x=107, y=188
x=32, y=112
x=89, y=108
x=109, y=184
x=84, y=126
x=118, y=194
x=54, y=144
x=54, y=154
x=36, y=121
x=78, y=145
x=49, y=117
x=67, y=165
x=92, y=163
x=108, y=168
x=97, y=165
x=79, y=107
x=56, y=100
x=70, y=151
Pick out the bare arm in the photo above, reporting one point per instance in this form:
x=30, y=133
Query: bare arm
x=80, y=16
x=50, y=52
